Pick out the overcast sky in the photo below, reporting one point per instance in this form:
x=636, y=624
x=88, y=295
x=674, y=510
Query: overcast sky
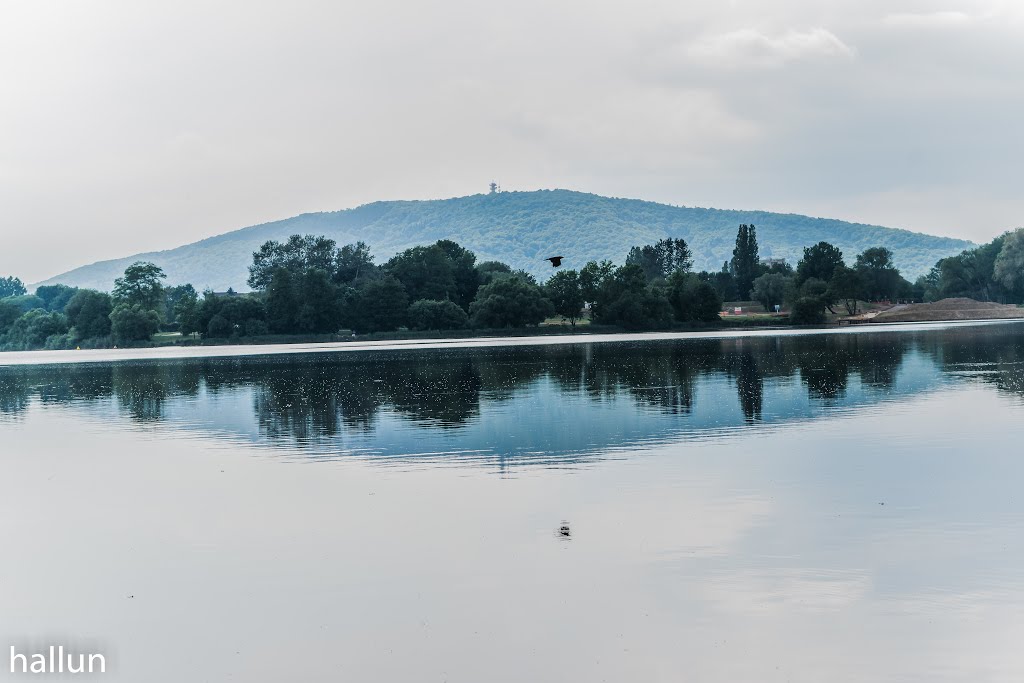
x=132, y=126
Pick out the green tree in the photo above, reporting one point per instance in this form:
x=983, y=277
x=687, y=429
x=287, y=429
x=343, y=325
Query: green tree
x=141, y=286
x=463, y=262
x=807, y=311
x=488, y=270
x=847, y=285
x=693, y=299
x=878, y=274
x=319, y=311
x=425, y=272
x=593, y=277
x=186, y=311
x=11, y=286
x=8, y=314
x=707, y=303
x=510, y=301
x=565, y=293
x=34, y=329
x=626, y=299
x=88, y=314
x=173, y=295
x=723, y=282
x=384, y=305
x=643, y=309
x=437, y=315
x=773, y=289
x=818, y=290
x=282, y=302
x=133, y=322
x=56, y=296
x=297, y=255
x=1008, y=269
x=27, y=302
x=230, y=315
x=353, y=263
x=819, y=262
x=745, y=261
x=661, y=259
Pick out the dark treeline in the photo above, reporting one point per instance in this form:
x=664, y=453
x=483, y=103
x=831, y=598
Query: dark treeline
x=308, y=285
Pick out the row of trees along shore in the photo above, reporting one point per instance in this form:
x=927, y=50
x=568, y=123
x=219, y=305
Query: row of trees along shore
x=307, y=285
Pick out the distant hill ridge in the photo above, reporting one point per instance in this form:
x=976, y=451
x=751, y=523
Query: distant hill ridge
x=521, y=229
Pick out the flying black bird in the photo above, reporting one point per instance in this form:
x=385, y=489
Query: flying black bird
x=556, y=261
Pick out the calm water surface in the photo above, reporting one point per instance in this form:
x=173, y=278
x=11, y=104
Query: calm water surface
x=773, y=508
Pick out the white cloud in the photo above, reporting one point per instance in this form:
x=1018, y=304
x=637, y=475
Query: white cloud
x=748, y=47
x=926, y=20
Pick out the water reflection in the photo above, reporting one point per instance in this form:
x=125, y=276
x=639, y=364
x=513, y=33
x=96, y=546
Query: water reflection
x=541, y=402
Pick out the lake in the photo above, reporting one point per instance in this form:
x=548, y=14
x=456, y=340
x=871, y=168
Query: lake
x=765, y=507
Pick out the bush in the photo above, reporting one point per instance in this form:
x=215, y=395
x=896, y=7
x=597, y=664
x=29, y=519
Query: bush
x=133, y=322
x=808, y=311
x=692, y=299
x=509, y=301
x=32, y=330
x=639, y=310
x=379, y=306
x=219, y=326
x=254, y=327
x=88, y=313
x=428, y=314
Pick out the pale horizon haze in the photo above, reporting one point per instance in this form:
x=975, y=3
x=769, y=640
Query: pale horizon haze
x=138, y=126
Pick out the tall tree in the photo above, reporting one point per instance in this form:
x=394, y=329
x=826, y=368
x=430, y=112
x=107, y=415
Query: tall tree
x=319, y=310
x=56, y=296
x=298, y=254
x=878, y=274
x=847, y=285
x=661, y=259
x=592, y=279
x=1008, y=269
x=693, y=299
x=173, y=295
x=425, y=273
x=353, y=263
x=11, y=286
x=8, y=314
x=745, y=260
x=772, y=289
x=819, y=262
x=141, y=286
x=133, y=322
x=564, y=291
x=186, y=311
x=384, y=305
x=488, y=270
x=467, y=280
x=282, y=302
x=88, y=314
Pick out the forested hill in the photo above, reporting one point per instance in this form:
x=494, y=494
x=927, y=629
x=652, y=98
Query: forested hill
x=521, y=229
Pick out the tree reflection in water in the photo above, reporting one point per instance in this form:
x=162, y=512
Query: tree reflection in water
x=318, y=396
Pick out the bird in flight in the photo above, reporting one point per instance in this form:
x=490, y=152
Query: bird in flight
x=556, y=261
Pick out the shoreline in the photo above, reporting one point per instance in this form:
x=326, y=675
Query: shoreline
x=68, y=357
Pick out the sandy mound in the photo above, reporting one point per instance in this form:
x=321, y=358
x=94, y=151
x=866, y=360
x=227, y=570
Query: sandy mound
x=949, y=309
